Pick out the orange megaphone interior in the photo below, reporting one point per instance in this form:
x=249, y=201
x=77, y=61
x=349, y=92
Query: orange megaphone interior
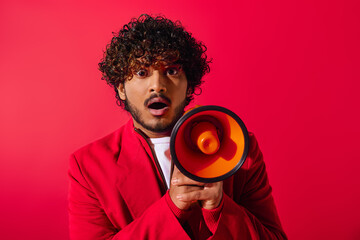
x=204, y=136
x=209, y=150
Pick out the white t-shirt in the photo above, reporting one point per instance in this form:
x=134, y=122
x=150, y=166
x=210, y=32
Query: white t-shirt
x=161, y=147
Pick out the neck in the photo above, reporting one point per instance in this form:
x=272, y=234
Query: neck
x=151, y=134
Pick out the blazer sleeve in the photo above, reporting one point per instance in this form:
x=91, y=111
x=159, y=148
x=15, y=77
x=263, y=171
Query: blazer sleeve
x=251, y=213
x=88, y=220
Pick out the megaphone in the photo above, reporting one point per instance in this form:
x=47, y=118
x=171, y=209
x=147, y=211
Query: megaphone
x=209, y=143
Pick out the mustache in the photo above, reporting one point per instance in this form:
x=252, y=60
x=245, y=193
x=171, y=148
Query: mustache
x=157, y=96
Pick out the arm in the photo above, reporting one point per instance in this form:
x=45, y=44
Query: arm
x=250, y=213
x=252, y=210
x=88, y=220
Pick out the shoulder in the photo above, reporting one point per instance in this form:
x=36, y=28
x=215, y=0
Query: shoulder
x=254, y=165
x=104, y=148
x=254, y=156
x=254, y=149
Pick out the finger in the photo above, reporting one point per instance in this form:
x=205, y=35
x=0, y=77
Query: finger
x=213, y=185
x=179, y=179
x=189, y=188
x=191, y=196
x=176, y=175
x=208, y=192
x=176, y=170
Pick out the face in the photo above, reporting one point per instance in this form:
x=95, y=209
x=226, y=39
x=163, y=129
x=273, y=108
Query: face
x=155, y=98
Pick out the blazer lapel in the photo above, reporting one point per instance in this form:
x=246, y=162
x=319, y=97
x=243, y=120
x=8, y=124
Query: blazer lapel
x=138, y=183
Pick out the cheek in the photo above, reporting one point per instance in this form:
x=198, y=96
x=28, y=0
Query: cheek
x=133, y=90
x=181, y=93
x=186, y=90
x=132, y=97
x=181, y=86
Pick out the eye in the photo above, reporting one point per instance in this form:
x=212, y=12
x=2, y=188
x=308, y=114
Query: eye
x=173, y=70
x=142, y=73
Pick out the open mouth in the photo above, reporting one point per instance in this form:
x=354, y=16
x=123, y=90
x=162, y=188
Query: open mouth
x=158, y=106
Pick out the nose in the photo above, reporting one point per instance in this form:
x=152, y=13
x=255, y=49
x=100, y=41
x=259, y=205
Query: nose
x=157, y=82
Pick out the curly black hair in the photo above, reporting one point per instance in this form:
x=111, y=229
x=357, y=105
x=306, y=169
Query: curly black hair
x=153, y=40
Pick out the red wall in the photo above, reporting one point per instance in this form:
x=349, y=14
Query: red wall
x=290, y=69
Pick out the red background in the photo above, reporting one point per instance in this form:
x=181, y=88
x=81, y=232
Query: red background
x=289, y=69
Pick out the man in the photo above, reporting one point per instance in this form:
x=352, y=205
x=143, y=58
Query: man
x=120, y=186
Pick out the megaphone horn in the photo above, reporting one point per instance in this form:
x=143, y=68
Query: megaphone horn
x=209, y=143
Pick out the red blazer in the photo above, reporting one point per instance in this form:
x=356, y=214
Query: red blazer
x=116, y=192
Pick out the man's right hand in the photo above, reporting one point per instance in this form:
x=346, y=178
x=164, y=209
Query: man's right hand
x=185, y=192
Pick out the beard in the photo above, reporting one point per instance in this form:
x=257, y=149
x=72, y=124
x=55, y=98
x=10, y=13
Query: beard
x=158, y=127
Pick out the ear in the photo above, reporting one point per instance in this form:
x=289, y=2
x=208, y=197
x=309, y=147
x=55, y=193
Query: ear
x=189, y=92
x=121, y=91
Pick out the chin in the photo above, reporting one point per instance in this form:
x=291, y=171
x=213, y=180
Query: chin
x=160, y=127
